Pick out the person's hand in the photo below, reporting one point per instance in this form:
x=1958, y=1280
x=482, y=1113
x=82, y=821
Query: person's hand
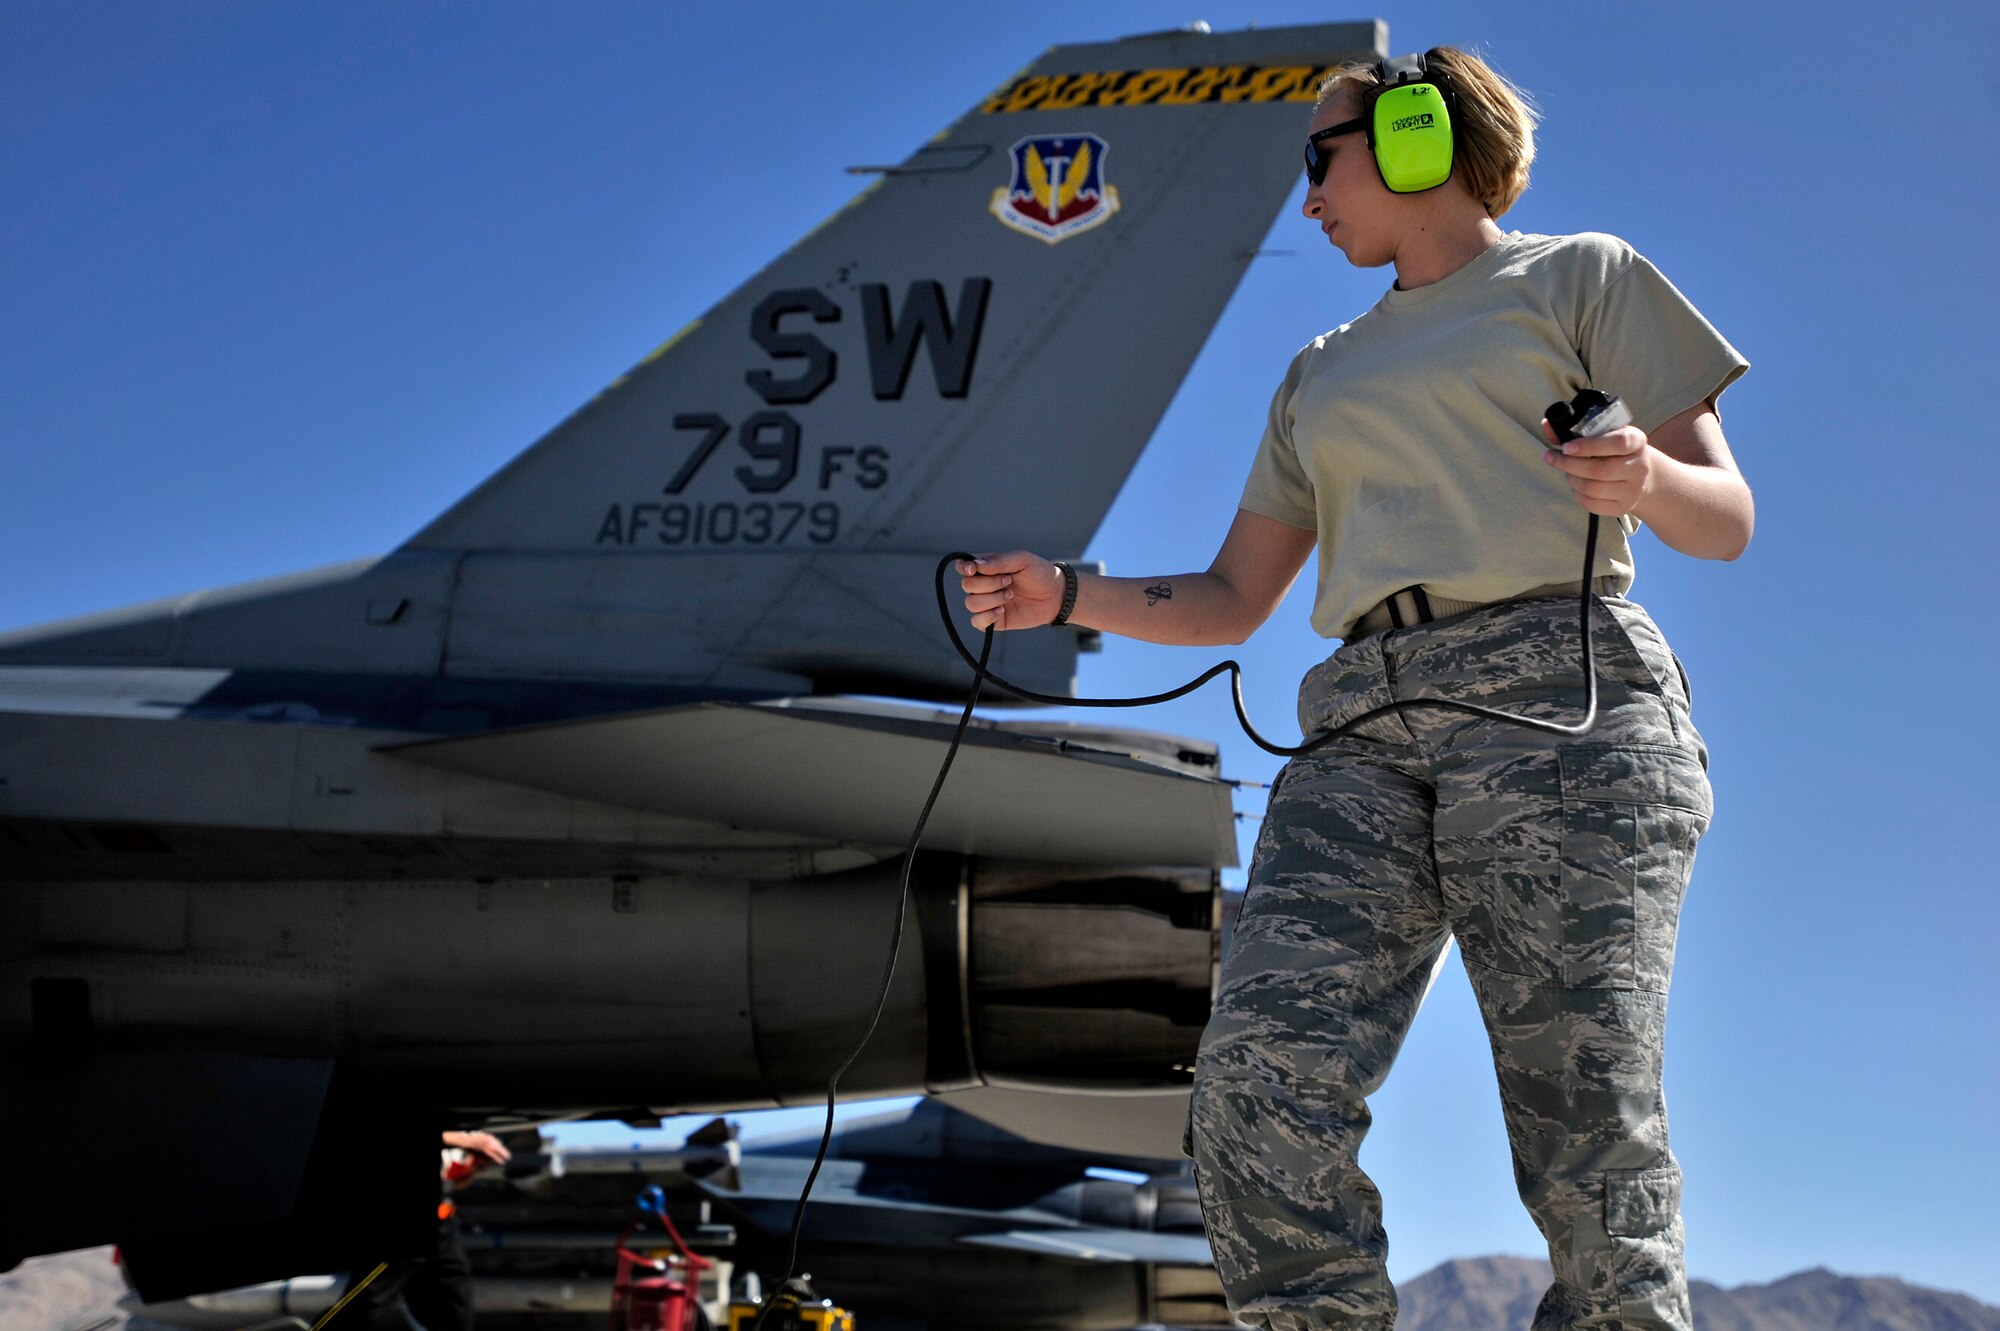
x=1016, y=590
x=483, y=1147
x=1610, y=474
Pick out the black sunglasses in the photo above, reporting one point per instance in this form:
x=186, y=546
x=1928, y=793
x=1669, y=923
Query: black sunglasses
x=1315, y=161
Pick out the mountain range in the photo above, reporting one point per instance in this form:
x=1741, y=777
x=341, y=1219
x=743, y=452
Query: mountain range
x=1500, y=1293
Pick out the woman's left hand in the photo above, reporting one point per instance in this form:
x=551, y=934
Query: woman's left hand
x=1609, y=474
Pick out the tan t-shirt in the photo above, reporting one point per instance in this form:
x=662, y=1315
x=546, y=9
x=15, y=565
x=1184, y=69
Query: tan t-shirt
x=1410, y=439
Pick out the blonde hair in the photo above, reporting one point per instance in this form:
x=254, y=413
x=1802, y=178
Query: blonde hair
x=1494, y=121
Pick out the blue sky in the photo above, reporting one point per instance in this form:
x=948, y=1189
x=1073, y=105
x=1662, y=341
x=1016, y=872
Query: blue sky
x=280, y=282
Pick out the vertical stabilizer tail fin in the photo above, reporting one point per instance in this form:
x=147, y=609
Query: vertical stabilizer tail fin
x=971, y=354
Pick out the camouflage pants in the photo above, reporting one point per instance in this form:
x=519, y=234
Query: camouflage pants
x=1559, y=865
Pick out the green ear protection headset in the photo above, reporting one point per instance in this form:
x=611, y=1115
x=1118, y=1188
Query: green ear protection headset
x=1408, y=122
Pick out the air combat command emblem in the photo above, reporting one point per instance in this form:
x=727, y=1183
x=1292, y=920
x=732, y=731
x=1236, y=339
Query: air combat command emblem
x=1058, y=187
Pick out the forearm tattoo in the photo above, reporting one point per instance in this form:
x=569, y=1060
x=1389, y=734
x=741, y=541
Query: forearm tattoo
x=1158, y=592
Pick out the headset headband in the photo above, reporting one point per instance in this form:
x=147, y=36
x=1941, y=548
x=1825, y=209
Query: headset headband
x=1405, y=69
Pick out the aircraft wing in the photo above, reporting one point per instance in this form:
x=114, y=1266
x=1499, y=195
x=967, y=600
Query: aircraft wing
x=1136, y=1124
x=862, y=772
x=1103, y=1245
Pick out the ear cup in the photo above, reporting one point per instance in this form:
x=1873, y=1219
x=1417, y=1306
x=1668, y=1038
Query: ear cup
x=1411, y=131
x=1409, y=124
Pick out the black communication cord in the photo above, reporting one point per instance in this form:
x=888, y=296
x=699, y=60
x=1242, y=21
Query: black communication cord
x=1590, y=413
x=1348, y=727
x=889, y=969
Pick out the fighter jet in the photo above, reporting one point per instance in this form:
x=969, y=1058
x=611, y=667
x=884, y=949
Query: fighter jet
x=592, y=795
x=924, y=1216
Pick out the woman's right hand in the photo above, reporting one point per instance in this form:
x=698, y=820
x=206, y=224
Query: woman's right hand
x=1017, y=590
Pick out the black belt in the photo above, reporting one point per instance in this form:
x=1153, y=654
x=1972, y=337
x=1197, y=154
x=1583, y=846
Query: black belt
x=1412, y=606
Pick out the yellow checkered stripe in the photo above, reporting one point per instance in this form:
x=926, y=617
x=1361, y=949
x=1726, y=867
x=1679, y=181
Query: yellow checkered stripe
x=1159, y=87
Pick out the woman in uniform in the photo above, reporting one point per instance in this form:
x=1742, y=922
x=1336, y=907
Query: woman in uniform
x=1408, y=446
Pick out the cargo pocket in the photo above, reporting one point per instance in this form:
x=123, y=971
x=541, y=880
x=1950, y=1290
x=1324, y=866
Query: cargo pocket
x=1647, y=1283
x=1631, y=817
x=1638, y=1202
